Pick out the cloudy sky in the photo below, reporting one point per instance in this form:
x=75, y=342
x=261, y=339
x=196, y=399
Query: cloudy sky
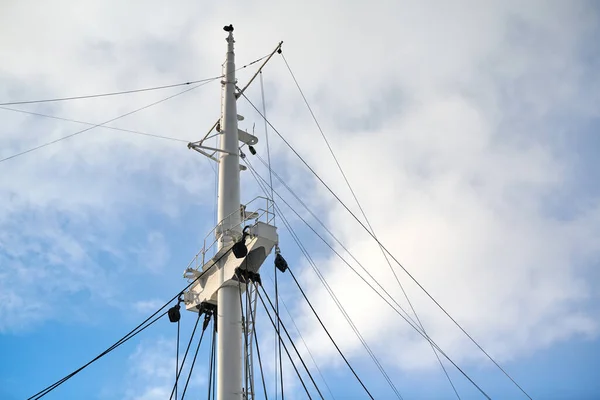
x=468, y=131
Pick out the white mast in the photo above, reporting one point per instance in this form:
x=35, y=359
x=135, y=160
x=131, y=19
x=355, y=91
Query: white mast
x=229, y=319
x=222, y=279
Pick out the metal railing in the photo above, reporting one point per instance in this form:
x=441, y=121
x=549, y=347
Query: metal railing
x=209, y=248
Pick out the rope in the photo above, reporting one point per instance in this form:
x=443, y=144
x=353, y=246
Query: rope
x=124, y=339
x=206, y=322
x=185, y=356
x=278, y=331
x=284, y=346
x=306, y=346
x=293, y=345
x=177, y=357
x=211, y=362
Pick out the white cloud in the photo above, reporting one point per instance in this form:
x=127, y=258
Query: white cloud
x=148, y=306
x=457, y=181
x=152, y=370
x=450, y=122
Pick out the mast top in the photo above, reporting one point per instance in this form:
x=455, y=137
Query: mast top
x=228, y=28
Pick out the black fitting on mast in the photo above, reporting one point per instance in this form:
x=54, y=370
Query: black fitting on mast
x=239, y=249
x=174, y=314
x=245, y=276
x=228, y=28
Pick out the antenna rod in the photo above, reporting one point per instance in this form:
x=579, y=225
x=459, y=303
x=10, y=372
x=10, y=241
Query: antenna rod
x=229, y=319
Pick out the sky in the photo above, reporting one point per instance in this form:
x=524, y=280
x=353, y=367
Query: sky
x=468, y=132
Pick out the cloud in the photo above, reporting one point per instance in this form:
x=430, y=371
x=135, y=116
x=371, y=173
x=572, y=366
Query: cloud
x=453, y=123
x=147, y=306
x=457, y=182
x=152, y=371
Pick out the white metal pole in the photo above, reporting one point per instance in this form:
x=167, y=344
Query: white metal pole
x=229, y=319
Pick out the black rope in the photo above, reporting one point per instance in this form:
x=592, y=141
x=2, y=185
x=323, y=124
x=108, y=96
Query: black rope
x=177, y=357
x=284, y=346
x=185, y=355
x=307, y=348
x=124, y=339
x=211, y=361
x=278, y=331
x=214, y=362
x=386, y=250
x=262, y=375
x=329, y=335
x=293, y=345
x=207, y=318
x=129, y=335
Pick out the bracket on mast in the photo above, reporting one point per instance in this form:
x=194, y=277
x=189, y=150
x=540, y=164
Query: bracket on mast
x=262, y=237
x=243, y=137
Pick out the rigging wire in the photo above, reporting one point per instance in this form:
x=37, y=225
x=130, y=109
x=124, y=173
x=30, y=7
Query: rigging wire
x=293, y=345
x=342, y=309
x=214, y=386
x=211, y=361
x=262, y=375
x=264, y=106
x=306, y=346
x=92, y=124
x=362, y=212
x=177, y=357
x=138, y=329
x=388, y=252
x=278, y=330
x=128, y=336
x=101, y=124
x=255, y=174
x=407, y=318
x=147, y=89
x=284, y=346
x=207, y=318
x=187, y=349
x=91, y=96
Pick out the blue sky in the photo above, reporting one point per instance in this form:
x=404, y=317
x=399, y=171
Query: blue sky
x=468, y=131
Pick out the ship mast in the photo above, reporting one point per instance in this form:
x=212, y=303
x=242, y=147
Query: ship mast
x=241, y=245
x=229, y=319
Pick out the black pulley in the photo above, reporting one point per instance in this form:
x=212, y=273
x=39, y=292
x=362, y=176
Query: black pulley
x=174, y=314
x=280, y=262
